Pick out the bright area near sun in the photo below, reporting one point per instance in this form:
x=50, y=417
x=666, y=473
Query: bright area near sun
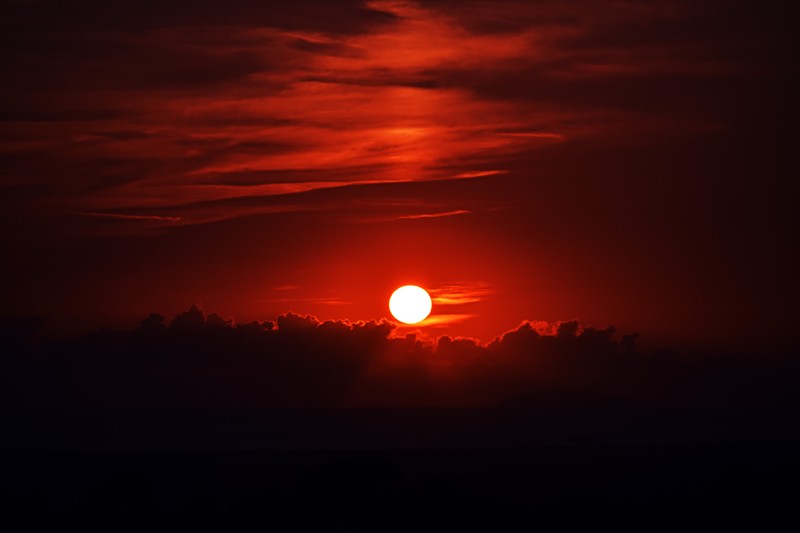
x=410, y=304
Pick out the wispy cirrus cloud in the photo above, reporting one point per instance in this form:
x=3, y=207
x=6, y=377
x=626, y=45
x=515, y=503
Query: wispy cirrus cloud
x=134, y=112
x=458, y=294
x=122, y=216
x=293, y=105
x=444, y=320
x=318, y=301
x=432, y=215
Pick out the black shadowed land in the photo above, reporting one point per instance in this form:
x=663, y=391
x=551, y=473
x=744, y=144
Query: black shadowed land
x=309, y=424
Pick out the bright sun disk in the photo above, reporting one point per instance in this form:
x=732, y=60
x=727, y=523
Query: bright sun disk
x=410, y=304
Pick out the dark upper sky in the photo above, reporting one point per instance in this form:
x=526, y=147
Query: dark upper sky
x=614, y=162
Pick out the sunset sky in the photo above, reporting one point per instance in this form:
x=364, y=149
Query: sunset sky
x=609, y=162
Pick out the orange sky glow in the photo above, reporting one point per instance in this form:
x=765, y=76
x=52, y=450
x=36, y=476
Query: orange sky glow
x=520, y=161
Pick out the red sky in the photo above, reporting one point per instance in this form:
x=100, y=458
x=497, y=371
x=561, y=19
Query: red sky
x=613, y=162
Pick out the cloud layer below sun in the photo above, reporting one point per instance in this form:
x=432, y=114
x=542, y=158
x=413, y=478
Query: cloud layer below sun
x=207, y=361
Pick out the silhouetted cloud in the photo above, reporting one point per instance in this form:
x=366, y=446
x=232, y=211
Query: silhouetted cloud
x=207, y=361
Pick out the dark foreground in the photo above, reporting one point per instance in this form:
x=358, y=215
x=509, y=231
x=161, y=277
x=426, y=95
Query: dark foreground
x=104, y=475
x=402, y=490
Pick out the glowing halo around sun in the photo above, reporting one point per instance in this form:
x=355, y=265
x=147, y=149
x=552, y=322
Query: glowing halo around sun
x=410, y=304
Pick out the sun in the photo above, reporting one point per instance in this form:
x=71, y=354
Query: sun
x=410, y=304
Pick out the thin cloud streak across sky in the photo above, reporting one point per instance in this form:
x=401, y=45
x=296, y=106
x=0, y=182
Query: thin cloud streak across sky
x=122, y=216
x=435, y=215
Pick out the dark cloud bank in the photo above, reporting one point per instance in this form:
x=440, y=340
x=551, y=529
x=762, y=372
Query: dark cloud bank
x=309, y=425
x=298, y=361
